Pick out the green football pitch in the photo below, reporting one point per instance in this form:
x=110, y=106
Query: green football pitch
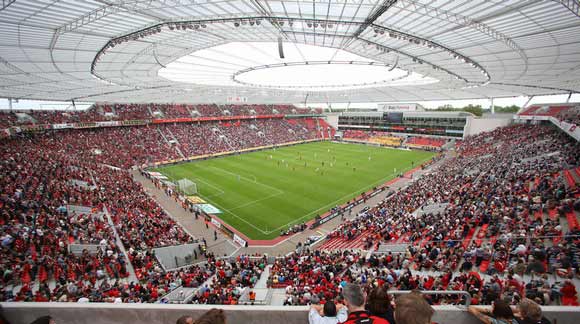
x=262, y=193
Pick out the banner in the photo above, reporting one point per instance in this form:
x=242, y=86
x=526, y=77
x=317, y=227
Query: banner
x=216, y=223
x=85, y=125
x=239, y=240
x=134, y=122
x=236, y=99
x=107, y=123
x=62, y=126
x=32, y=128
x=172, y=120
x=208, y=209
x=196, y=200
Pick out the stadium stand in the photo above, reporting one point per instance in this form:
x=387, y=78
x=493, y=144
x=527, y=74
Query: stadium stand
x=434, y=239
x=356, y=134
x=200, y=128
x=427, y=142
x=386, y=140
x=45, y=172
x=121, y=112
x=546, y=110
x=7, y=119
x=523, y=211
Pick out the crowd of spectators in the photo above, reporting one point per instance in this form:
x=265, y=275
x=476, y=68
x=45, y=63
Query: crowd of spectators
x=500, y=185
x=504, y=212
x=38, y=184
x=7, y=119
x=571, y=115
x=125, y=147
x=107, y=112
x=43, y=174
x=209, y=138
x=232, y=278
x=426, y=141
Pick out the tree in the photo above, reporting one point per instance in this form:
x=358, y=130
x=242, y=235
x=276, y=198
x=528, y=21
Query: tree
x=507, y=109
x=476, y=110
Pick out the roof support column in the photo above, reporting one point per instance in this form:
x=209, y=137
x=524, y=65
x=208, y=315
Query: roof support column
x=569, y=96
x=492, y=107
x=526, y=104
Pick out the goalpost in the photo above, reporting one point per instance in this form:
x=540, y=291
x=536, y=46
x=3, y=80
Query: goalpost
x=187, y=186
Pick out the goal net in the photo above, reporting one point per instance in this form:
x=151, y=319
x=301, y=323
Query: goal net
x=187, y=186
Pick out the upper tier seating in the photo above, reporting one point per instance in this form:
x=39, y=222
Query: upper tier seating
x=426, y=141
x=512, y=211
x=546, y=110
x=105, y=112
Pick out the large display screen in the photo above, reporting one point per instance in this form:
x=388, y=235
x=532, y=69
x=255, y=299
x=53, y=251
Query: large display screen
x=393, y=117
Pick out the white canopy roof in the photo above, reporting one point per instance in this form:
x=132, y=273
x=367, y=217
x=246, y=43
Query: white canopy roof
x=113, y=50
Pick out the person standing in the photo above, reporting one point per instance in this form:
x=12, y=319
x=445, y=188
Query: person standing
x=354, y=300
x=412, y=308
x=501, y=313
x=330, y=313
x=379, y=304
x=528, y=312
x=185, y=319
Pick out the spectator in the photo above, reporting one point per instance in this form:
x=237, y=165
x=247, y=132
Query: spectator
x=412, y=308
x=501, y=313
x=528, y=312
x=44, y=320
x=185, y=319
x=213, y=316
x=355, y=301
x=379, y=304
x=569, y=294
x=327, y=314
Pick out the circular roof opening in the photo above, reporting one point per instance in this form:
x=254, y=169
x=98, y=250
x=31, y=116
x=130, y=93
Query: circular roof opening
x=304, y=67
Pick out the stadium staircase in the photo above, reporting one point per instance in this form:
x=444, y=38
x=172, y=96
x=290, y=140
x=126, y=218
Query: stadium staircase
x=572, y=177
x=129, y=265
x=177, y=144
x=340, y=243
x=189, y=111
x=132, y=275
x=176, y=147
x=226, y=139
x=328, y=131
x=312, y=124
x=150, y=111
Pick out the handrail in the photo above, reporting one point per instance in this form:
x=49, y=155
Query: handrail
x=436, y=292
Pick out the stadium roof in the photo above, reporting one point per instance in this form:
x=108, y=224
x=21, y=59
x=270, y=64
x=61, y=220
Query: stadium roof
x=114, y=50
